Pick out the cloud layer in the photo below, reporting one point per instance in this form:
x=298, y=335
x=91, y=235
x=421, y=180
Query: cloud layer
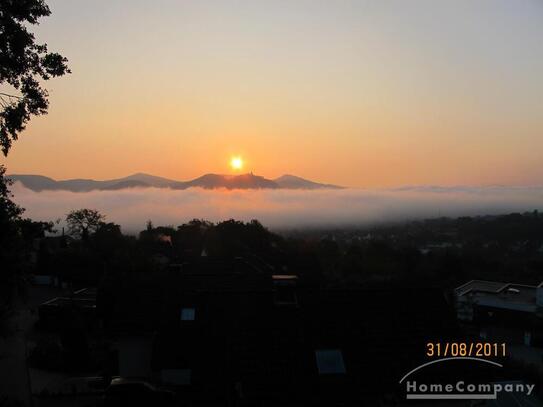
x=131, y=208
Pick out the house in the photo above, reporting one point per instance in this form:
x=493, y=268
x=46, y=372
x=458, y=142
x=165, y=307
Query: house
x=81, y=303
x=222, y=332
x=502, y=311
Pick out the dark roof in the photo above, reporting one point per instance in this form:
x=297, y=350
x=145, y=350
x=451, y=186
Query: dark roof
x=240, y=338
x=480, y=286
x=271, y=350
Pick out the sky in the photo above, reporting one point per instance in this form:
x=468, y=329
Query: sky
x=358, y=93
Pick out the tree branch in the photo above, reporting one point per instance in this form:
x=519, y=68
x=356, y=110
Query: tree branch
x=10, y=96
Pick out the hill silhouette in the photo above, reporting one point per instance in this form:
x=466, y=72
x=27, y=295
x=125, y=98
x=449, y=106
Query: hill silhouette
x=288, y=181
x=142, y=180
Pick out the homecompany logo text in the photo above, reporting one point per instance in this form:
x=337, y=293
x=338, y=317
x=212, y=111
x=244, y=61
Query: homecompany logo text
x=461, y=390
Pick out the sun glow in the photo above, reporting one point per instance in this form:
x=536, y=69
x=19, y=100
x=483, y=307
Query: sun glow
x=236, y=163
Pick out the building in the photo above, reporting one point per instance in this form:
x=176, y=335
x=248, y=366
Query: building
x=81, y=304
x=224, y=332
x=502, y=311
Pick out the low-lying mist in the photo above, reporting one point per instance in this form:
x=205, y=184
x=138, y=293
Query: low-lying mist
x=280, y=209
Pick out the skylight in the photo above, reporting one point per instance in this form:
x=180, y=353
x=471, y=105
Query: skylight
x=330, y=361
x=188, y=314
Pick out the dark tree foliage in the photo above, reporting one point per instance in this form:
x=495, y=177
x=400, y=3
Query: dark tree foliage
x=108, y=240
x=190, y=237
x=31, y=230
x=10, y=213
x=234, y=237
x=437, y=252
x=16, y=236
x=83, y=222
x=23, y=65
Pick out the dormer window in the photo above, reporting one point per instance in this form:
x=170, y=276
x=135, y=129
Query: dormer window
x=284, y=290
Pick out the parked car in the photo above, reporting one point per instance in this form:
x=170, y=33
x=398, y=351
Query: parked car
x=129, y=392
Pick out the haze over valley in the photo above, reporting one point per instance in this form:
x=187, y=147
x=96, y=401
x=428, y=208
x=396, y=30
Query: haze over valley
x=278, y=208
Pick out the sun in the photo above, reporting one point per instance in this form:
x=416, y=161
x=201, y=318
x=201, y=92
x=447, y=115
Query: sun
x=236, y=163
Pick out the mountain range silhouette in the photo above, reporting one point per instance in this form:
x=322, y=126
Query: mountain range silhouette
x=141, y=180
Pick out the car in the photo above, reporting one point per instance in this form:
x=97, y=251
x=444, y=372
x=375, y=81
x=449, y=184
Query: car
x=131, y=392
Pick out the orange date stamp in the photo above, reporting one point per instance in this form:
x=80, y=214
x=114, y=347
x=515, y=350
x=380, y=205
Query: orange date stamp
x=465, y=349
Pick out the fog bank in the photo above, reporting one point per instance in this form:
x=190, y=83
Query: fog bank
x=131, y=208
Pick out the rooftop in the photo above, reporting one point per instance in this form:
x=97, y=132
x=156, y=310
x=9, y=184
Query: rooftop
x=501, y=295
x=481, y=286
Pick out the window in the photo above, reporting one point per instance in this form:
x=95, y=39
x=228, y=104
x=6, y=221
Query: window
x=284, y=289
x=330, y=361
x=188, y=314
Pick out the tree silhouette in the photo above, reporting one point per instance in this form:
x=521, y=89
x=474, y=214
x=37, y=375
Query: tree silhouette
x=9, y=210
x=23, y=65
x=83, y=222
x=10, y=214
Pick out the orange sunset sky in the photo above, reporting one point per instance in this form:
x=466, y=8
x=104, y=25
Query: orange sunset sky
x=358, y=93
